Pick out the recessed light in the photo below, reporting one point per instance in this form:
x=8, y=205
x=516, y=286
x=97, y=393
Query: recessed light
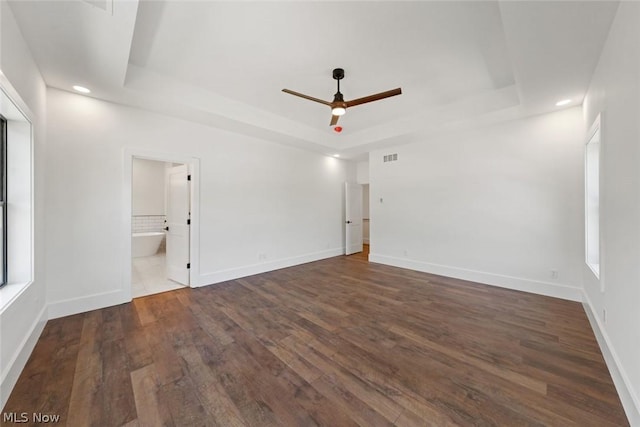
x=336, y=155
x=563, y=102
x=81, y=89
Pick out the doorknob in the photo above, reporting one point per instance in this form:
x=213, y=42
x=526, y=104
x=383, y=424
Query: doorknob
x=348, y=222
x=166, y=228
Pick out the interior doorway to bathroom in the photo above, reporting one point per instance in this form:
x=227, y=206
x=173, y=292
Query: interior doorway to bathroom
x=160, y=225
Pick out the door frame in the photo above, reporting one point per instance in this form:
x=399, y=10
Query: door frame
x=194, y=233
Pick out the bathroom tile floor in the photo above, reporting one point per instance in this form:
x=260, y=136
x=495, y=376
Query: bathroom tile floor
x=149, y=276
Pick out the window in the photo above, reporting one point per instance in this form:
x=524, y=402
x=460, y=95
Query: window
x=3, y=199
x=592, y=198
x=16, y=196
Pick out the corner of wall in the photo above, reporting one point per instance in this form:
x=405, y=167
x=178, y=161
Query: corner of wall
x=630, y=400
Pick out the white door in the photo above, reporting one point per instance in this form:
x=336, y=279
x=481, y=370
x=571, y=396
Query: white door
x=353, y=218
x=178, y=223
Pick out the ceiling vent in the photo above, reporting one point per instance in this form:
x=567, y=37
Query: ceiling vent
x=390, y=158
x=106, y=5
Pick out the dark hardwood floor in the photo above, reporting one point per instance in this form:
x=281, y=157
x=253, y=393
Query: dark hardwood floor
x=338, y=342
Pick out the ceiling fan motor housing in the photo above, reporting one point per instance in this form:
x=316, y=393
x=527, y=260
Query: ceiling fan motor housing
x=338, y=99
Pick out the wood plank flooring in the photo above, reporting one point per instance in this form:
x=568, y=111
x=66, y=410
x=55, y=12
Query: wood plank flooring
x=338, y=342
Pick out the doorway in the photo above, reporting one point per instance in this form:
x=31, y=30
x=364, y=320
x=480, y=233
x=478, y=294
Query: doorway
x=356, y=232
x=160, y=226
x=365, y=220
x=353, y=218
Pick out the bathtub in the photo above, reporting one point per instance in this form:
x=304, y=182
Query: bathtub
x=145, y=244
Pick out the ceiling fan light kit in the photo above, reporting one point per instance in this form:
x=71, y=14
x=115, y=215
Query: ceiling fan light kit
x=339, y=105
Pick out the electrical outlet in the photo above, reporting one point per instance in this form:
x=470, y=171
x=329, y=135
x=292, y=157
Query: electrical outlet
x=554, y=274
x=406, y=252
x=262, y=256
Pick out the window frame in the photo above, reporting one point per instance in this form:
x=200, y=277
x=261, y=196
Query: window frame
x=3, y=199
x=591, y=184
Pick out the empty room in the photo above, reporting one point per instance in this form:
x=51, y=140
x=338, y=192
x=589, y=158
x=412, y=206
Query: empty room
x=297, y=213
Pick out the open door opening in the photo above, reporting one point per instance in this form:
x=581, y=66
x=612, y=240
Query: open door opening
x=366, y=221
x=160, y=226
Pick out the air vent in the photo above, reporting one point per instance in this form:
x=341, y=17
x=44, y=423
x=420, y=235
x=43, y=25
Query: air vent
x=106, y=5
x=390, y=158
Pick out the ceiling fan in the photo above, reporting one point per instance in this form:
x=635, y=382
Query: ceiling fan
x=339, y=105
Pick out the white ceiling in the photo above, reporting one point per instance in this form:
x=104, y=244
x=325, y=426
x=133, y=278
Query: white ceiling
x=460, y=64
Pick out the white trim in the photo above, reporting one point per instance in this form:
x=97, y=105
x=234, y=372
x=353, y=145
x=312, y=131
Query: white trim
x=568, y=292
x=193, y=163
x=250, y=270
x=596, y=127
x=10, y=292
x=83, y=304
x=9, y=377
x=14, y=109
x=16, y=99
x=630, y=400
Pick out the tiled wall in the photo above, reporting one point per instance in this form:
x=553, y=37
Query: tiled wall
x=147, y=223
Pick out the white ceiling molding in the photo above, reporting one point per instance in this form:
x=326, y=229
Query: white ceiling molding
x=224, y=64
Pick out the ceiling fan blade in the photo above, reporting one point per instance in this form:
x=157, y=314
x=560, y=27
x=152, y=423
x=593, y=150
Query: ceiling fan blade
x=376, y=97
x=310, y=98
x=334, y=120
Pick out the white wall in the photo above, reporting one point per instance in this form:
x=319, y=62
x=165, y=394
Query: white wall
x=22, y=319
x=615, y=92
x=362, y=172
x=500, y=205
x=148, y=192
x=257, y=199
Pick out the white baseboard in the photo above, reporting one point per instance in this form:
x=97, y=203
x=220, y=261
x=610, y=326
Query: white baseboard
x=106, y=299
x=250, y=270
x=556, y=290
x=87, y=303
x=630, y=400
x=21, y=356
